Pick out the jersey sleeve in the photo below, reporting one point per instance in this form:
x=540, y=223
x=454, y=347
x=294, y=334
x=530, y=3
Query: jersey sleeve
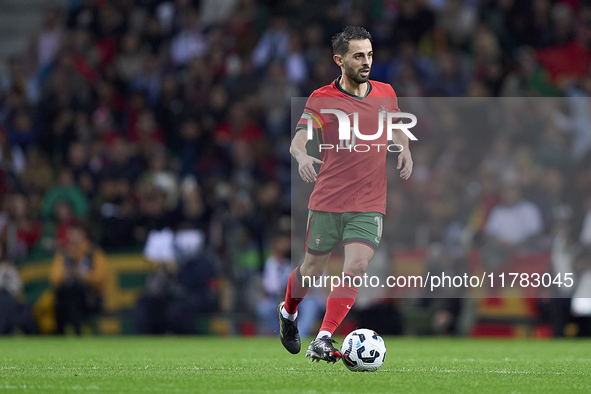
x=311, y=114
x=393, y=104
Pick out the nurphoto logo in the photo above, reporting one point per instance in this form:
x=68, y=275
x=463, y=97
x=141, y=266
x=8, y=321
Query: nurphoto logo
x=348, y=134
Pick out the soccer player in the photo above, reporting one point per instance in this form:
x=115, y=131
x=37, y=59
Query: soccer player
x=349, y=197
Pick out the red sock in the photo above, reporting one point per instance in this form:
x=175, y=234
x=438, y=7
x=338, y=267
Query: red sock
x=295, y=291
x=340, y=300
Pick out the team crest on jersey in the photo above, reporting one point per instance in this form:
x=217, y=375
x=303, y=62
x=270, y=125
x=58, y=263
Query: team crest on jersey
x=317, y=240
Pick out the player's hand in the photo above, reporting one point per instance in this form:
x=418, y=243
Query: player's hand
x=404, y=158
x=306, y=168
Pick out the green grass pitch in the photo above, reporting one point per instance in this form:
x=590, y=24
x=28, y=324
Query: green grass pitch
x=261, y=365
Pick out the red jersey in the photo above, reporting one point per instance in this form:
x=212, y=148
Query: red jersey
x=353, y=176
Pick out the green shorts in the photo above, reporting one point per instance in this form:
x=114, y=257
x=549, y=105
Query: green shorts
x=326, y=230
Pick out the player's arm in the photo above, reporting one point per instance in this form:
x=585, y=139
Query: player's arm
x=404, y=158
x=305, y=161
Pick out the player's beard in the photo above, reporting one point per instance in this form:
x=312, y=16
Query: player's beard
x=355, y=75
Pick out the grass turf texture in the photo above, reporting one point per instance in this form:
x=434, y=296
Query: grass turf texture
x=239, y=365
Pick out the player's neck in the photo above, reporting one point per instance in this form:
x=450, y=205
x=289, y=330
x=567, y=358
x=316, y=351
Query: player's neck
x=358, y=89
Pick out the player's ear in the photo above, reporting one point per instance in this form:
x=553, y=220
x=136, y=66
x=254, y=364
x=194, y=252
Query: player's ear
x=338, y=59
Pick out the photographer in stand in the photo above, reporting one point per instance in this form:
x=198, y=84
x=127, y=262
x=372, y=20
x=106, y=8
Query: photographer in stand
x=78, y=276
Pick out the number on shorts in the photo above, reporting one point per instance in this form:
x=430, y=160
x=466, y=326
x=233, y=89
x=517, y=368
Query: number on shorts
x=380, y=222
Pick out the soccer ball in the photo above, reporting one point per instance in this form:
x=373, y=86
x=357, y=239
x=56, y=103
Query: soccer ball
x=363, y=350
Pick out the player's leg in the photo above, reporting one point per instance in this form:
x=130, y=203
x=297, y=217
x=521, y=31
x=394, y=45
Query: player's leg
x=323, y=234
x=339, y=302
x=342, y=297
x=298, y=286
x=301, y=278
x=361, y=236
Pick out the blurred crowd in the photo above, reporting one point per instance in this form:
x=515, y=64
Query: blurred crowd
x=133, y=116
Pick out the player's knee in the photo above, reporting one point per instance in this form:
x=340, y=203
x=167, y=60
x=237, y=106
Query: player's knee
x=312, y=268
x=357, y=267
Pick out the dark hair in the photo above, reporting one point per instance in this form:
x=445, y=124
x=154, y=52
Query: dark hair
x=340, y=41
x=81, y=225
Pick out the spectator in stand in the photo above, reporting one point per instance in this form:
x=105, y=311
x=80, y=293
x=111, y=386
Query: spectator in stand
x=275, y=96
x=63, y=218
x=190, y=41
x=62, y=135
x=313, y=44
x=152, y=214
x=159, y=175
x=295, y=64
x=191, y=211
x=217, y=12
x=18, y=80
x=63, y=88
x=8, y=161
x=239, y=127
x=22, y=230
x=459, y=20
x=273, y=45
x=500, y=160
x=191, y=147
x=146, y=135
x=14, y=313
x=148, y=79
x=49, y=40
x=514, y=224
x=197, y=78
x=529, y=78
x=22, y=134
x=66, y=190
x=184, y=286
x=274, y=280
x=585, y=236
x=131, y=58
x=77, y=160
x=548, y=195
x=171, y=109
x=37, y=176
x=78, y=278
x=451, y=75
x=116, y=213
x=579, y=123
x=581, y=302
x=153, y=35
x=121, y=161
x=62, y=205
x=216, y=110
x=415, y=21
